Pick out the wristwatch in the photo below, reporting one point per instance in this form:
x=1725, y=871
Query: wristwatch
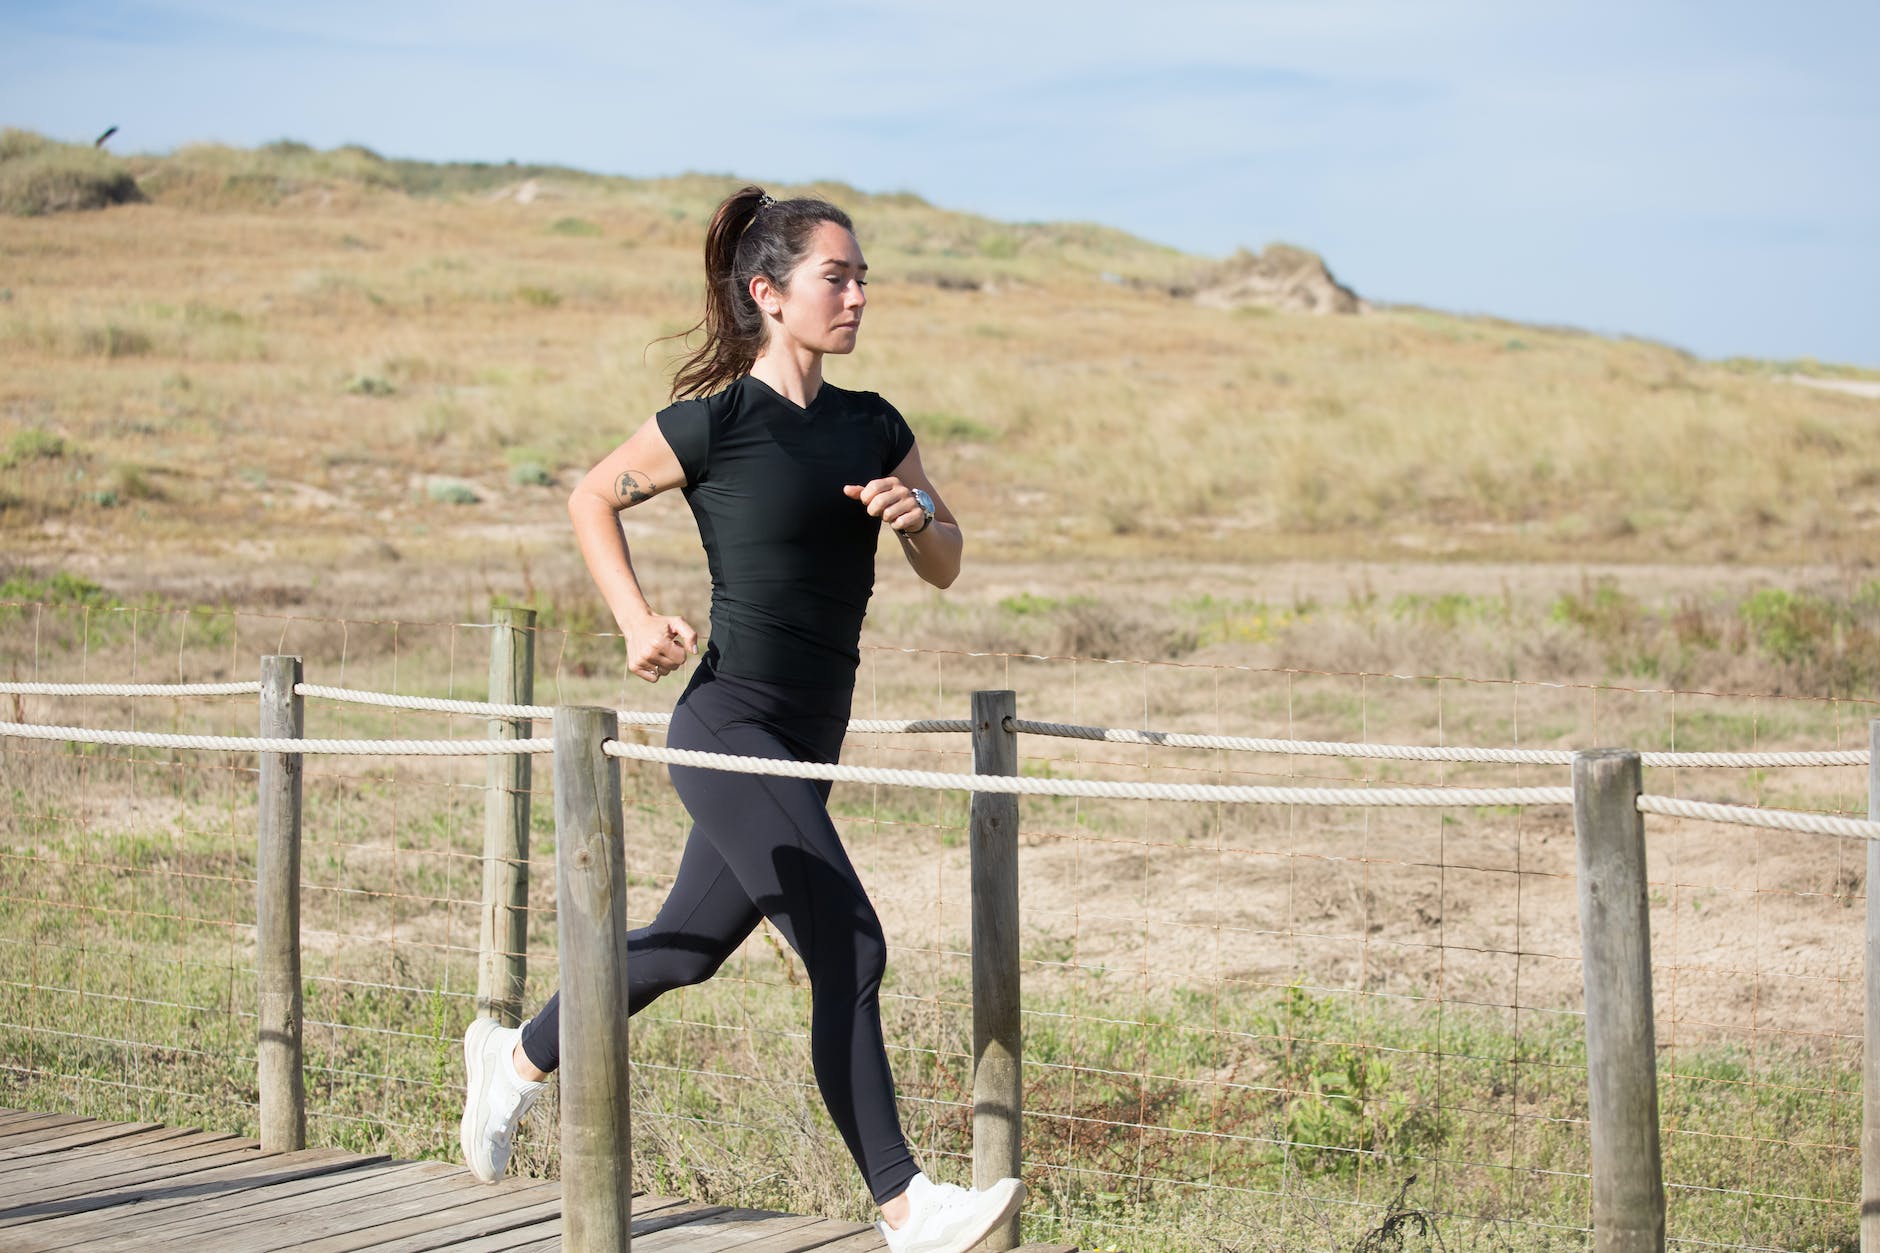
x=926, y=506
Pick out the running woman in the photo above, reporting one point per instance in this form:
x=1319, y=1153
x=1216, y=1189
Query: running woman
x=790, y=479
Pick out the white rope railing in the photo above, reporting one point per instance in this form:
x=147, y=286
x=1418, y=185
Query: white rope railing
x=627, y=717
x=260, y=744
x=1421, y=752
x=240, y=688
x=1064, y=730
x=1796, y=820
x=1799, y=821
x=932, y=780
x=1098, y=788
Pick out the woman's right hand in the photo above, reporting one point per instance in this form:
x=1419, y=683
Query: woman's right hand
x=657, y=645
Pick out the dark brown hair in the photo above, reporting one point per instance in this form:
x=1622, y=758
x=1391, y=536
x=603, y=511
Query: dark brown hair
x=750, y=234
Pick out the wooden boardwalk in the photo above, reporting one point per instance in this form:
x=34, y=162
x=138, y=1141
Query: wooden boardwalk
x=70, y=1183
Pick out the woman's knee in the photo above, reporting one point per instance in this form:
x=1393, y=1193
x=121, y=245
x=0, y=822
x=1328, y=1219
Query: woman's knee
x=871, y=953
x=660, y=968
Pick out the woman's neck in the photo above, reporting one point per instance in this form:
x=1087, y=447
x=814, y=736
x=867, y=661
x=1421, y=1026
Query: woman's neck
x=792, y=371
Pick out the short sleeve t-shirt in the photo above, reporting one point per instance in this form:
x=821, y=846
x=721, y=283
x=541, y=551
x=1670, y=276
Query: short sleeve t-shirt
x=792, y=558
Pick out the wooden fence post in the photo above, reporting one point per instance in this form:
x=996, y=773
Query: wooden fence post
x=1621, y=1041
x=998, y=1056
x=1870, y=1060
x=591, y=916
x=503, y=936
x=278, y=1055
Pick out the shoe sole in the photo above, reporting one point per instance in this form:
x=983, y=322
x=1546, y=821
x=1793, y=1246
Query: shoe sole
x=474, y=1040
x=971, y=1240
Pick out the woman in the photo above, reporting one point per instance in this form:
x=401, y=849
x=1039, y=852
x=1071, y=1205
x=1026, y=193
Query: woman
x=790, y=479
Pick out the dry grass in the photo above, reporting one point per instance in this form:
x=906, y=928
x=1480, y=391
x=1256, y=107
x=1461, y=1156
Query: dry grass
x=290, y=343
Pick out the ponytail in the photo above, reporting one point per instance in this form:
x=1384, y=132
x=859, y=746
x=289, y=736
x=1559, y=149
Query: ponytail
x=750, y=234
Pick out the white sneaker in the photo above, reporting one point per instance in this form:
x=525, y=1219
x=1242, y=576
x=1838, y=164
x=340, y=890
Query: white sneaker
x=943, y=1218
x=495, y=1097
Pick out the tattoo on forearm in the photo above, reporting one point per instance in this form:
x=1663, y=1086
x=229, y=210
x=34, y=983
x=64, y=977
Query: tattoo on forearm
x=633, y=488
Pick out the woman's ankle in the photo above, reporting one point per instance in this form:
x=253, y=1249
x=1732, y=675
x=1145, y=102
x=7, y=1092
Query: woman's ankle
x=526, y=1069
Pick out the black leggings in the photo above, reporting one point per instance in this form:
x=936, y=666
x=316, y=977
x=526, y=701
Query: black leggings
x=765, y=847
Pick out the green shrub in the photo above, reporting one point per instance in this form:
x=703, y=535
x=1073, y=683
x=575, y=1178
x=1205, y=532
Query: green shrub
x=62, y=588
x=1795, y=628
x=530, y=474
x=33, y=444
x=370, y=385
x=39, y=176
x=540, y=297
x=451, y=492
x=579, y=227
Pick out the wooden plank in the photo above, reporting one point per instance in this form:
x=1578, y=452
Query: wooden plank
x=496, y=1241
x=144, y=1141
x=857, y=1239
x=154, y=1174
x=63, y=1140
x=83, y=1222
x=426, y=1192
x=483, y=1215
x=539, y=1238
x=46, y=1125
x=44, y=1177
x=42, y=1127
x=228, y=1206
x=809, y=1232
x=354, y=1188
x=731, y=1230
x=13, y=1120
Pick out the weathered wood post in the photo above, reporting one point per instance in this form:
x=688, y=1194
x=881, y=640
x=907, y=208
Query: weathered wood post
x=1621, y=1041
x=503, y=936
x=278, y=1010
x=591, y=916
x=1870, y=1060
x=998, y=1057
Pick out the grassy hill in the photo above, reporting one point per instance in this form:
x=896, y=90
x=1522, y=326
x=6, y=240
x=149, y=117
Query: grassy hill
x=286, y=364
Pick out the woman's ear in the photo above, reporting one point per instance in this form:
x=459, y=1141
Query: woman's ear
x=769, y=300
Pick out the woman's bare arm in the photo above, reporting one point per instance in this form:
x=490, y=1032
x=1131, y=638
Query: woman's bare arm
x=638, y=470
x=933, y=549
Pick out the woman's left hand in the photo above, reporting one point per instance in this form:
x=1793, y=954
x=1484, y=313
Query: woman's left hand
x=892, y=501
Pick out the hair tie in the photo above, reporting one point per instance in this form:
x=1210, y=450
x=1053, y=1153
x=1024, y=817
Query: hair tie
x=764, y=201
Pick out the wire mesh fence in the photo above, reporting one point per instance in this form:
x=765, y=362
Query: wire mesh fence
x=1246, y=1027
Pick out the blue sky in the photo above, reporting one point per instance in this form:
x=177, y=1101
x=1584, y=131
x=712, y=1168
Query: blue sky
x=1704, y=174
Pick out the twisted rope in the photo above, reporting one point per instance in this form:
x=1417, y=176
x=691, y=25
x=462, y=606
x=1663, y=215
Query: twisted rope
x=926, y=726
x=1751, y=816
x=1099, y=788
x=815, y=770
x=1417, y=752
x=627, y=717
x=258, y=744
x=130, y=689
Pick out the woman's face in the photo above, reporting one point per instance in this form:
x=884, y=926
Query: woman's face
x=821, y=308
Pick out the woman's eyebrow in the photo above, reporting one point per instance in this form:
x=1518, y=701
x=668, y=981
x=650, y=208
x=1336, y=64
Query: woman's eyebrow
x=863, y=267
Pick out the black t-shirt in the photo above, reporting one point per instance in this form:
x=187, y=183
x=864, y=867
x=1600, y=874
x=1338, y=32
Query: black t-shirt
x=792, y=558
